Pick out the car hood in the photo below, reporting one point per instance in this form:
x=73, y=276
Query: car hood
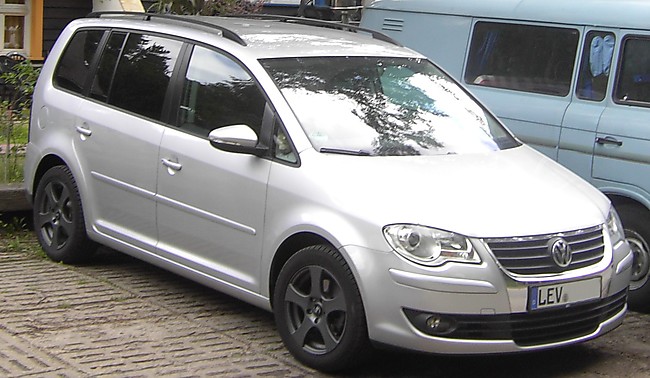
x=514, y=192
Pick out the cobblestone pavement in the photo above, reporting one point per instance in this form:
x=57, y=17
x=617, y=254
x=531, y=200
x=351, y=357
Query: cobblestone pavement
x=121, y=317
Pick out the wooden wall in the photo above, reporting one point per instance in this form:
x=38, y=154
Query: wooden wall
x=57, y=14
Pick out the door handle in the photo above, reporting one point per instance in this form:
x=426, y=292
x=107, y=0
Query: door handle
x=172, y=164
x=608, y=140
x=84, y=131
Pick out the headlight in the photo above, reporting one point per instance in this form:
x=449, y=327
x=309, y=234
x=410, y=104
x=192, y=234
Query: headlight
x=429, y=246
x=615, y=227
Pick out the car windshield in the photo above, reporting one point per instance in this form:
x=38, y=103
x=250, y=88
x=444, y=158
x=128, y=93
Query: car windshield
x=384, y=106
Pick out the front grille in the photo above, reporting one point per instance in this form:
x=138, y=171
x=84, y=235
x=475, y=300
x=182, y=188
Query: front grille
x=530, y=254
x=531, y=328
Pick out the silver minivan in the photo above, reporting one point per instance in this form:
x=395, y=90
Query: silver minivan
x=331, y=176
x=570, y=78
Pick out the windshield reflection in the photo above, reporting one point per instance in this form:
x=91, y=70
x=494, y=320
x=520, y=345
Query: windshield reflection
x=384, y=106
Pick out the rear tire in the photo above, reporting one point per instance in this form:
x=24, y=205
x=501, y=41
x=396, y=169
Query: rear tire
x=58, y=218
x=636, y=222
x=318, y=310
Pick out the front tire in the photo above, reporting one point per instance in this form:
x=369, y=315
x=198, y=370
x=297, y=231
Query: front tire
x=318, y=310
x=636, y=222
x=58, y=218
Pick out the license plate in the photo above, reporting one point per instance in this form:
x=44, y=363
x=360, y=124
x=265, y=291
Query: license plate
x=563, y=294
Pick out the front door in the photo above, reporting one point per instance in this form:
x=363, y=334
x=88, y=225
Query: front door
x=623, y=135
x=210, y=202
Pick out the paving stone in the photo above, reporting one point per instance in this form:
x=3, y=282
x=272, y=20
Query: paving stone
x=122, y=317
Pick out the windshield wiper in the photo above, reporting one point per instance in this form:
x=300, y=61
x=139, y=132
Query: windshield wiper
x=342, y=151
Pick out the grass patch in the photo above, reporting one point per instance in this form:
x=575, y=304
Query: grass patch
x=16, y=236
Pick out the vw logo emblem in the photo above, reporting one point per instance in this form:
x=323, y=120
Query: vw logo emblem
x=560, y=251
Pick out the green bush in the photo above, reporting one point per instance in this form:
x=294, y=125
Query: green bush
x=14, y=118
x=206, y=7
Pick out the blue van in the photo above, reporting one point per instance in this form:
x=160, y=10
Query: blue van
x=570, y=78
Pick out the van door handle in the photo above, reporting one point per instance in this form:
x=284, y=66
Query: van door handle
x=172, y=164
x=608, y=140
x=84, y=131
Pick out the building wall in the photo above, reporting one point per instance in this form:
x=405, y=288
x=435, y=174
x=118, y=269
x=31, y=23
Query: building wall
x=57, y=14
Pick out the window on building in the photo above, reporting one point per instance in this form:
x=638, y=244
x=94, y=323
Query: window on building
x=15, y=25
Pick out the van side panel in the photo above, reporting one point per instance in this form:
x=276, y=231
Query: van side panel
x=445, y=38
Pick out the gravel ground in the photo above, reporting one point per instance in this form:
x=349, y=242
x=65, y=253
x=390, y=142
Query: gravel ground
x=122, y=317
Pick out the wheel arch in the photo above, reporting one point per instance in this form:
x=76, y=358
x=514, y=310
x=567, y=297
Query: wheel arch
x=44, y=165
x=288, y=248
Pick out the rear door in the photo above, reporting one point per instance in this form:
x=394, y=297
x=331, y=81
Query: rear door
x=119, y=131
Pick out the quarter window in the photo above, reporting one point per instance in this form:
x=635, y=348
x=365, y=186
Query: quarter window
x=75, y=63
x=526, y=58
x=595, y=67
x=633, y=85
x=218, y=92
x=143, y=74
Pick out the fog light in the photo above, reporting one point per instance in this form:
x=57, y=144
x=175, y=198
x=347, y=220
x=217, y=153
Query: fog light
x=440, y=325
x=433, y=324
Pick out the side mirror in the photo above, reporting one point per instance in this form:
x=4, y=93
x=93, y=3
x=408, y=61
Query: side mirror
x=239, y=139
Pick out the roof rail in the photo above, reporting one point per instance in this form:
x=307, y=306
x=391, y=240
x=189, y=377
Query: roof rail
x=320, y=23
x=225, y=32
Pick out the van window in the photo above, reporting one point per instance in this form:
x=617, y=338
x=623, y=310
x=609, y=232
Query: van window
x=143, y=74
x=595, y=67
x=218, y=92
x=633, y=85
x=75, y=63
x=526, y=58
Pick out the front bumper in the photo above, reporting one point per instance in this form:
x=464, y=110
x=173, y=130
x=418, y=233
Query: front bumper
x=487, y=307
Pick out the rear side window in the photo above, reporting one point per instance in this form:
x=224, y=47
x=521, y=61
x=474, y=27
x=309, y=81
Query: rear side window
x=75, y=63
x=528, y=58
x=633, y=85
x=142, y=75
x=102, y=83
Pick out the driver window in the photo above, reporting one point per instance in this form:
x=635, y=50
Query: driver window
x=218, y=92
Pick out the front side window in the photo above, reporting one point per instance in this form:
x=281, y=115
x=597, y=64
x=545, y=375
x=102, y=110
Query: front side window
x=527, y=58
x=595, y=67
x=384, y=106
x=633, y=80
x=143, y=74
x=218, y=92
x=73, y=67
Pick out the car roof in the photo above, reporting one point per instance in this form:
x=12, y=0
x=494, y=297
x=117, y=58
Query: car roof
x=271, y=36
